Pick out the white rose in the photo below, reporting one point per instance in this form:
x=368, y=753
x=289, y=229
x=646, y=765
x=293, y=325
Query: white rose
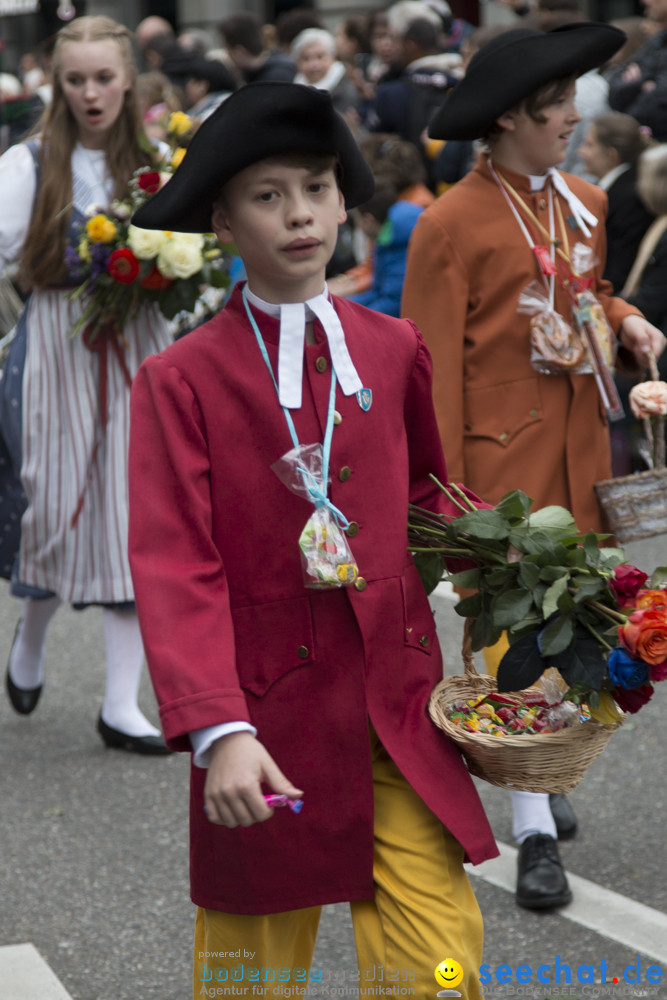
x=181, y=256
x=145, y=243
x=649, y=399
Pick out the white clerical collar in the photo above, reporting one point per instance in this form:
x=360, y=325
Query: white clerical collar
x=293, y=318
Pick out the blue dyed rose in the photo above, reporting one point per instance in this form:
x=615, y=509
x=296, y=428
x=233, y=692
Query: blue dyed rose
x=624, y=670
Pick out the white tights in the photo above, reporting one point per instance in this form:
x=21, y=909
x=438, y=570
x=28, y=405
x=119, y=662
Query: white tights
x=124, y=652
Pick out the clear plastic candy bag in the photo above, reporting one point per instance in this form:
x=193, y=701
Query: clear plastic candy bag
x=554, y=346
x=595, y=330
x=326, y=557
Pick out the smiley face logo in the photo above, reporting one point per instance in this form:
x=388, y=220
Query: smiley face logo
x=448, y=973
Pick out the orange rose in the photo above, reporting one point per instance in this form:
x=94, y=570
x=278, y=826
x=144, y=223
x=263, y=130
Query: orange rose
x=652, y=636
x=651, y=599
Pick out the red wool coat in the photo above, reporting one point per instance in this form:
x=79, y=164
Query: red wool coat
x=232, y=633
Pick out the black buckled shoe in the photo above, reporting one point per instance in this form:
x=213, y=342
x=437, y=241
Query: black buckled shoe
x=541, y=881
x=153, y=745
x=564, y=817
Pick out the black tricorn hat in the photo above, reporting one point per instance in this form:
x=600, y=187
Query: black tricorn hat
x=258, y=121
x=515, y=64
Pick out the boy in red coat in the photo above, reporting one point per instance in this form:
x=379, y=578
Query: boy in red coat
x=318, y=693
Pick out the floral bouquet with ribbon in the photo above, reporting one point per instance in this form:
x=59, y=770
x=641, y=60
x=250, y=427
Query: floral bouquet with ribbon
x=120, y=267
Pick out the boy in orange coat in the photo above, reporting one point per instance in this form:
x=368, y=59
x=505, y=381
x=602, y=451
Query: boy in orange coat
x=512, y=222
x=318, y=694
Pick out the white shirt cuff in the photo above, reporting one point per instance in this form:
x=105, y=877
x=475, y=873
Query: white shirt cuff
x=203, y=739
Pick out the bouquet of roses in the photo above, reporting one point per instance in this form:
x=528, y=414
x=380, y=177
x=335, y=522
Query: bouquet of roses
x=562, y=600
x=121, y=267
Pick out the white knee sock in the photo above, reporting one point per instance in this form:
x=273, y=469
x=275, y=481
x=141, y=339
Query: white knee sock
x=26, y=663
x=125, y=657
x=532, y=814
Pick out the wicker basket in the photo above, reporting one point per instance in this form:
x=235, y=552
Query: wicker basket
x=636, y=505
x=530, y=762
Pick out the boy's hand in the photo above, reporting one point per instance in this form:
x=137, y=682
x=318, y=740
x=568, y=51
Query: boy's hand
x=640, y=337
x=233, y=794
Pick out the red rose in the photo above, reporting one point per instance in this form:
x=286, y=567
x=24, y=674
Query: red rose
x=149, y=181
x=626, y=583
x=155, y=281
x=658, y=672
x=632, y=699
x=123, y=266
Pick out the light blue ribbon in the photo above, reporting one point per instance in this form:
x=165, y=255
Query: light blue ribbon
x=317, y=493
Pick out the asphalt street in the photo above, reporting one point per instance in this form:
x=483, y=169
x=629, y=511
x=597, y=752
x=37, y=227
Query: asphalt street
x=94, y=866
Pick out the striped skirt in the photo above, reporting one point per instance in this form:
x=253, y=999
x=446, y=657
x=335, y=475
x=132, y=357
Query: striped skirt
x=74, y=464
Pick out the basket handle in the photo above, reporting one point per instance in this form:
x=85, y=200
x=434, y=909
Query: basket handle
x=466, y=651
x=659, y=446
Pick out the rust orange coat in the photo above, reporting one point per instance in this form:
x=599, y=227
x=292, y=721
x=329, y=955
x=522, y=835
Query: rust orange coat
x=503, y=425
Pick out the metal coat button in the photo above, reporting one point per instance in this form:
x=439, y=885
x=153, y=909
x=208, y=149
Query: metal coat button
x=424, y=641
x=360, y=583
x=345, y=473
x=302, y=651
x=337, y=417
x=503, y=436
x=352, y=529
x=321, y=364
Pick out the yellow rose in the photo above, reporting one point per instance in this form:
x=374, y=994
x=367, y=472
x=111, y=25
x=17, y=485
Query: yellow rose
x=179, y=123
x=649, y=399
x=100, y=229
x=145, y=243
x=180, y=257
x=177, y=156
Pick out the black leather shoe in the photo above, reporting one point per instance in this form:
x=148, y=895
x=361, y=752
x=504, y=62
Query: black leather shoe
x=541, y=881
x=23, y=700
x=564, y=817
x=154, y=745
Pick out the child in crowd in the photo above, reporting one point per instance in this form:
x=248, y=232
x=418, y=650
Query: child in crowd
x=511, y=222
x=276, y=677
x=388, y=222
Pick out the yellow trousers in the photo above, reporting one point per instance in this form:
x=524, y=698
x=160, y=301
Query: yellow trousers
x=423, y=911
x=494, y=654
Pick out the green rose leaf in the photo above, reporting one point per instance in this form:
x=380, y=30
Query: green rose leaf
x=466, y=578
x=511, y=607
x=582, y=662
x=556, y=590
x=529, y=574
x=469, y=607
x=554, y=520
x=658, y=578
x=556, y=635
x=521, y=665
x=483, y=524
x=483, y=631
x=430, y=566
x=515, y=506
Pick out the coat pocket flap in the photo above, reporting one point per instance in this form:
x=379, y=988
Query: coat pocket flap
x=271, y=640
x=501, y=411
